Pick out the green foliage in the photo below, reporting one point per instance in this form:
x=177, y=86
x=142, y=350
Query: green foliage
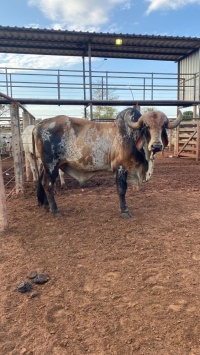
x=187, y=115
x=104, y=112
x=147, y=109
x=3, y=109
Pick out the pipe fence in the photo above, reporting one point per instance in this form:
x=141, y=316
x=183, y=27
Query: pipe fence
x=76, y=84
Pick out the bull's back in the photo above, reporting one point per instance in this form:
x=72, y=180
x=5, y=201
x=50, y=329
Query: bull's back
x=77, y=142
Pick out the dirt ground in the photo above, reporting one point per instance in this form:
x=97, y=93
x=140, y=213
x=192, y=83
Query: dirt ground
x=116, y=287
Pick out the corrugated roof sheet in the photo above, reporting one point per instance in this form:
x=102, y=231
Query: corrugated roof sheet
x=73, y=43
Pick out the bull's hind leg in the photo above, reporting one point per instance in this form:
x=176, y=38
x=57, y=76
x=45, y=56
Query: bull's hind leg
x=45, y=192
x=121, y=177
x=48, y=184
x=41, y=195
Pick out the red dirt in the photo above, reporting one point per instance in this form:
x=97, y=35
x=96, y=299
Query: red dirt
x=116, y=287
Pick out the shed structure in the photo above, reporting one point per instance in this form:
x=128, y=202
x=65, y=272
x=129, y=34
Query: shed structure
x=185, y=51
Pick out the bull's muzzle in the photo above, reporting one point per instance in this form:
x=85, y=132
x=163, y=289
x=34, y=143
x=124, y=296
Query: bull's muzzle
x=155, y=148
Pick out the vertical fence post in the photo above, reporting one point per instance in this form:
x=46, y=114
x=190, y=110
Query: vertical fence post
x=3, y=209
x=26, y=122
x=58, y=83
x=198, y=140
x=176, y=141
x=106, y=85
x=152, y=86
x=7, y=81
x=16, y=147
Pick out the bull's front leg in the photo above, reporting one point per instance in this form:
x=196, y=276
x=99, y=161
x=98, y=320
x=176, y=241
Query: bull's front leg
x=121, y=184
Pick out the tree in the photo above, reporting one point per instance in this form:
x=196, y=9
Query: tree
x=147, y=109
x=187, y=115
x=104, y=112
x=3, y=109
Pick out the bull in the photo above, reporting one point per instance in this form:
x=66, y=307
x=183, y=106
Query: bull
x=28, y=149
x=82, y=148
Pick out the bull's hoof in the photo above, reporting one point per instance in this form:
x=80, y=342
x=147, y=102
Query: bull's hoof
x=57, y=213
x=63, y=186
x=126, y=215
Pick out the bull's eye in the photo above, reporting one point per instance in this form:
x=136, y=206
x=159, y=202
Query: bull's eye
x=145, y=127
x=165, y=125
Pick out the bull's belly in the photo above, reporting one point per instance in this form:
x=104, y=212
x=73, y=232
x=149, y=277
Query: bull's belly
x=80, y=174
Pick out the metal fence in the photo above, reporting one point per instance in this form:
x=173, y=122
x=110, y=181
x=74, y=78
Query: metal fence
x=75, y=84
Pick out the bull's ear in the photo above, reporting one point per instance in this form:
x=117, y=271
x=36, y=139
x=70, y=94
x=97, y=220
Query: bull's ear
x=140, y=142
x=164, y=138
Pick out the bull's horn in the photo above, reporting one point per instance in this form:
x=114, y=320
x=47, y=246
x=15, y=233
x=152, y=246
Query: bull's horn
x=176, y=122
x=131, y=124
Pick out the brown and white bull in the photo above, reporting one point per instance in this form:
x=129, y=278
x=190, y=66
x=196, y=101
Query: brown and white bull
x=28, y=149
x=82, y=148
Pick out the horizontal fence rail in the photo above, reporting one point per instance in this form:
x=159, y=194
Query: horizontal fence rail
x=75, y=84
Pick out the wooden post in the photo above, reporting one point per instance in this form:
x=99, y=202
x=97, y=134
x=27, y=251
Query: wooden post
x=26, y=122
x=176, y=142
x=3, y=209
x=198, y=141
x=16, y=147
x=32, y=120
x=170, y=140
x=137, y=107
x=195, y=111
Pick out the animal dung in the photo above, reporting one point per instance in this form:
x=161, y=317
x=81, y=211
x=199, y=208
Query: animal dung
x=41, y=279
x=33, y=294
x=32, y=274
x=24, y=286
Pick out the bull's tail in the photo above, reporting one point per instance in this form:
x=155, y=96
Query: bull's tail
x=41, y=195
x=34, y=156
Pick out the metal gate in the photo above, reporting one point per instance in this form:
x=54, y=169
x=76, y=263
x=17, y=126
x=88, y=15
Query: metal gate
x=187, y=139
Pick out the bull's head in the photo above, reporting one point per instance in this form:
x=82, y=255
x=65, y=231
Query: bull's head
x=152, y=126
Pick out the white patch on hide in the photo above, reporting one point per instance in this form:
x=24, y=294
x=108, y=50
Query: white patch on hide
x=151, y=167
x=45, y=134
x=72, y=147
x=52, y=125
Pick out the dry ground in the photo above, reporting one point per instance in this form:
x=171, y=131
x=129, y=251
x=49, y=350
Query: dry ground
x=116, y=287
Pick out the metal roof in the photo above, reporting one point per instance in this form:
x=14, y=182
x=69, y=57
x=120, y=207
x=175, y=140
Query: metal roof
x=73, y=43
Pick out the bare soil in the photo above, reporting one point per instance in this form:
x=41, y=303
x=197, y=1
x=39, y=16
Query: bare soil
x=116, y=287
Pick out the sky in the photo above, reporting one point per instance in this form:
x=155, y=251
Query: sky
x=146, y=17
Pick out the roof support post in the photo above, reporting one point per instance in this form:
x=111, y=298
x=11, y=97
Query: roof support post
x=3, y=207
x=84, y=88
x=199, y=86
x=90, y=79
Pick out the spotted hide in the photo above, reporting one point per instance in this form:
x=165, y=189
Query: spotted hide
x=82, y=148
x=28, y=150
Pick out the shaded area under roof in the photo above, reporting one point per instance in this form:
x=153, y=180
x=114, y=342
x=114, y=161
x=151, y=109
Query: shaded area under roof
x=73, y=43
